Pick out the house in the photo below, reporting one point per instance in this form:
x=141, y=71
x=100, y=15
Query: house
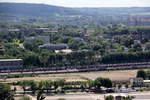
x=11, y=64
x=54, y=46
x=45, y=30
x=126, y=49
x=136, y=82
x=88, y=31
x=112, y=50
x=41, y=30
x=44, y=39
x=29, y=39
x=66, y=51
x=9, y=30
x=13, y=30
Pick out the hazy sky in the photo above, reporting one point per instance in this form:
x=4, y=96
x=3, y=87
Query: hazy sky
x=89, y=3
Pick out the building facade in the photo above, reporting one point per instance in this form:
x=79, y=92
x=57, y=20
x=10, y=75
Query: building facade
x=11, y=64
x=54, y=46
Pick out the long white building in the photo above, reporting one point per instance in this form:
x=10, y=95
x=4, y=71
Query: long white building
x=11, y=64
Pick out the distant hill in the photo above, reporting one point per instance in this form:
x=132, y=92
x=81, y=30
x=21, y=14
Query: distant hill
x=35, y=9
x=48, y=10
x=77, y=16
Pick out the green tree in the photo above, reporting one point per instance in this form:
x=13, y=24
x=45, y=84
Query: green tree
x=33, y=86
x=142, y=74
x=5, y=92
x=137, y=47
x=98, y=83
x=109, y=97
x=147, y=46
x=106, y=82
x=127, y=41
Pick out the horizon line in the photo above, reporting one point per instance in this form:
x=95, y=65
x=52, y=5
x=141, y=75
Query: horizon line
x=78, y=7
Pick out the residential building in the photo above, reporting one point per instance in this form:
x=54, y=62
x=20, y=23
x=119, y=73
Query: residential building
x=45, y=39
x=66, y=51
x=54, y=46
x=136, y=82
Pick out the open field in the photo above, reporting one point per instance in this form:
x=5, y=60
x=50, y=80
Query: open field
x=117, y=75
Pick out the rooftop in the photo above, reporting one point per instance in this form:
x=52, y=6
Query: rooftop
x=146, y=81
x=10, y=59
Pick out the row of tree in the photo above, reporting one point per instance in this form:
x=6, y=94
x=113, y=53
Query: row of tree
x=61, y=85
x=123, y=57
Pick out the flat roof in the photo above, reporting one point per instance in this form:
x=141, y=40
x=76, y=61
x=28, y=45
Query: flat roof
x=10, y=59
x=146, y=81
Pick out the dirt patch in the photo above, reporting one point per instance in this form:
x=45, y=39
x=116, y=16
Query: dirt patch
x=119, y=75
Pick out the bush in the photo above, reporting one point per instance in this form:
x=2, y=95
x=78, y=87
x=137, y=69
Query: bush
x=109, y=98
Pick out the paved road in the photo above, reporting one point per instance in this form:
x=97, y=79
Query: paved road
x=76, y=97
x=142, y=96
x=138, y=96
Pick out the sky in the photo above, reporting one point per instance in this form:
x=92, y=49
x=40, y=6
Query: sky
x=88, y=3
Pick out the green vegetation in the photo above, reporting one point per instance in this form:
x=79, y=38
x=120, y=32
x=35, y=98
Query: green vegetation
x=143, y=74
x=5, y=92
x=109, y=98
x=109, y=44
x=125, y=57
x=61, y=86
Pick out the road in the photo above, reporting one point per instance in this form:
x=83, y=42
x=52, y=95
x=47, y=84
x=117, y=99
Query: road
x=86, y=96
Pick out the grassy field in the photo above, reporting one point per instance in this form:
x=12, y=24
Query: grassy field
x=118, y=75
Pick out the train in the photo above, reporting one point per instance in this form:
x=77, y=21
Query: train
x=78, y=68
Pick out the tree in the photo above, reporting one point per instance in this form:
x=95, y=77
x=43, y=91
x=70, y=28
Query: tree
x=106, y=82
x=31, y=59
x=24, y=85
x=33, y=86
x=119, y=86
x=127, y=98
x=142, y=74
x=48, y=85
x=56, y=85
x=147, y=46
x=148, y=74
x=61, y=83
x=127, y=41
x=90, y=84
x=137, y=47
x=109, y=97
x=127, y=86
x=98, y=83
x=5, y=92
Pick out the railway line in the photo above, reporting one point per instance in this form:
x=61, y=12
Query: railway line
x=72, y=69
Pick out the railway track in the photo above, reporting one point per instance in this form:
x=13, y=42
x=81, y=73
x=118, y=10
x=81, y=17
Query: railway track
x=72, y=69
